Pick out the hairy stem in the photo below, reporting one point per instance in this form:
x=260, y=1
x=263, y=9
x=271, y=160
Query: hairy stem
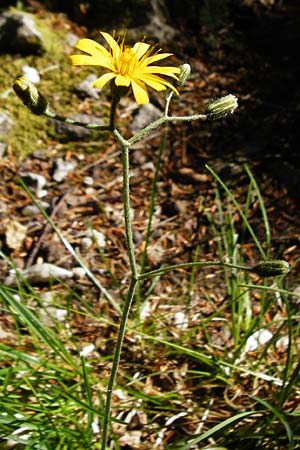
x=116, y=361
x=127, y=212
x=162, y=270
x=133, y=280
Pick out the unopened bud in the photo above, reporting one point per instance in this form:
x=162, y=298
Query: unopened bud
x=221, y=107
x=184, y=74
x=271, y=268
x=30, y=96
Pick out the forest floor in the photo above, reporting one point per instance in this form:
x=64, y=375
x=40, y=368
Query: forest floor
x=187, y=220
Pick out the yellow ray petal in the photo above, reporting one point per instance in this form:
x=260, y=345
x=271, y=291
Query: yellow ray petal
x=101, y=81
x=170, y=71
x=122, y=80
x=90, y=46
x=140, y=48
x=156, y=57
x=97, y=53
x=154, y=82
x=84, y=60
x=140, y=92
x=127, y=65
x=116, y=49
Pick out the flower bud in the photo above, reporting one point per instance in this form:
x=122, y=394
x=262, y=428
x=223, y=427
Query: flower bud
x=221, y=107
x=184, y=74
x=271, y=268
x=30, y=96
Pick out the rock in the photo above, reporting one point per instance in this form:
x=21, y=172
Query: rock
x=157, y=26
x=296, y=298
x=15, y=234
x=282, y=344
x=48, y=297
x=258, y=338
x=181, y=320
x=74, y=132
x=31, y=74
x=87, y=349
x=145, y=115
x=88, y=181
x=32, y=210
x=145, y=310
x=35, y=181
x=85, y=87
x=39, y=274
x=86, y=243
x=79, y=273
x=5, y=124
x=50, y=314
x=99, y=237
x=72, y=39
x=18, y=34
x=62, y=168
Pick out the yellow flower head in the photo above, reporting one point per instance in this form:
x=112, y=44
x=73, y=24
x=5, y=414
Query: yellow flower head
x=127, y=66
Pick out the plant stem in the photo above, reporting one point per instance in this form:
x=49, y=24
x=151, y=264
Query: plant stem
x=116, y=360
x=131, y=289
x=126, y=206
x=162, y=270
x=164, y=119
x=113, y=109
x=67, y=120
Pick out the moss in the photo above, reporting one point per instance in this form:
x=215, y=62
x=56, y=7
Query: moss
x=58, y=78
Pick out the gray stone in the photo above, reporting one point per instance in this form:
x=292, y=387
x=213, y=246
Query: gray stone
x=62, y=168
x=72, y=39
x=98, y=237
x=86, y=243
x=39, y=274
x=35, y=181
x=88, y=181
x=50, y=315
x=85, y=87
x=74, y=132
x=157, y=26
x=145, y=115
x=79, y=272
x=18, y=34
x=31, y=74
x=5, y=123
x=32, y=210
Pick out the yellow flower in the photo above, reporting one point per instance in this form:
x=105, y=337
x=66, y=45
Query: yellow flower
x=127, y=66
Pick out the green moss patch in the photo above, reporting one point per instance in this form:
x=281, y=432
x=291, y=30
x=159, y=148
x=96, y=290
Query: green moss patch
x=58, y=78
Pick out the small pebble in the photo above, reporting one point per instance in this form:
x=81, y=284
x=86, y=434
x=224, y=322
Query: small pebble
x=79, y=272
x=62, y=169
x=88, y=181
x=98, y=237
x=36, y=181
x=32, y=210
x=86, y=243
x=31, y=74
x=39, y=273
x=89, y=190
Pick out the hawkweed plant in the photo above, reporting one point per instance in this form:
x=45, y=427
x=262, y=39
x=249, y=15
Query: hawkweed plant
x=133, y=69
